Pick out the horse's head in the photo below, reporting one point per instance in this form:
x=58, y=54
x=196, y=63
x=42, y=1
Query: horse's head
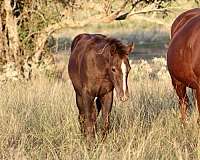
x=120, y=67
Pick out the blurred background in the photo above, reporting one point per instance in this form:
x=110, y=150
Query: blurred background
x=36, y=35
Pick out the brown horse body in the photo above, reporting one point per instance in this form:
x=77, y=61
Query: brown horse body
x=97, y=65
x=183, y=61
x=183, y=18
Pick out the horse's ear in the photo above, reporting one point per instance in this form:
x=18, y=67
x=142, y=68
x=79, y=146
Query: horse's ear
x=113, y=49
x=130, y=47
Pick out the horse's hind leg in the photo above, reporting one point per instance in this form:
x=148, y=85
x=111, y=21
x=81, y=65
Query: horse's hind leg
x=183, y=98
x=81, y=118
x=198, y=103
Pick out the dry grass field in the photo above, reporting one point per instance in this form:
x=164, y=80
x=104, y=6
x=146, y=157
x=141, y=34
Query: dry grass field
x=38, y=120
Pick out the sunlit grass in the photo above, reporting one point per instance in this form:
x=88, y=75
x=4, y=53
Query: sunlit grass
x=39, y=121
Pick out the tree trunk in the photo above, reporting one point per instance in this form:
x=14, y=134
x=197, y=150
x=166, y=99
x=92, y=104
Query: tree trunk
x=2, y=49
x=12, y=34
x=10, y=43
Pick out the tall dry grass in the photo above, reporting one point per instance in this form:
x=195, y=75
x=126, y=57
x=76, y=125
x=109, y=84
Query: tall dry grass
x=38, y=120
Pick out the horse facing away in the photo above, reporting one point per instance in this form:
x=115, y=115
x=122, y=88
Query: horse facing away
x=97, y=65
x=180, y=21
x=183, y=18
x=183, y=61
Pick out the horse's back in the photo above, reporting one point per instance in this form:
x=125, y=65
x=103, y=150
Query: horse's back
x=183, y=18
x=83, y=50
x=84, y=42
x=85, y=37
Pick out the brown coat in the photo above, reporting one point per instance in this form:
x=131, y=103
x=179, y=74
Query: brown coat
x=183, y=61
x=97, y=65
x=183, y=18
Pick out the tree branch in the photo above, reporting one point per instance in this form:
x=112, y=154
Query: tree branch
x=40, y=42
x=129, y=14
x=149, y=11
x=115, y=14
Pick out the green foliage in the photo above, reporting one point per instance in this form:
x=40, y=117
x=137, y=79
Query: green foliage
x=68, y=3
x=34, y=17
x=37, y=15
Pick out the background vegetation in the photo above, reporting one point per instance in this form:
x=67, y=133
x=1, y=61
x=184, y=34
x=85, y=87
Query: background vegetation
x=29, y=28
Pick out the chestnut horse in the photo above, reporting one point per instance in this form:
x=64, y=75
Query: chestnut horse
x=97, y=65
x=183, y=61
x=183, y=18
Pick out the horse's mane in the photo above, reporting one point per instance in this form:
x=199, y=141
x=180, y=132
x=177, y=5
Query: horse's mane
x=120, y=47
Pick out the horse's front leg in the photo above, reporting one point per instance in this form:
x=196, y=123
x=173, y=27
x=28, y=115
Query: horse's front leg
x=106, y=102
x=89, y=116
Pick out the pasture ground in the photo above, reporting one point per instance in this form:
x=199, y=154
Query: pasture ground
x=38, y=120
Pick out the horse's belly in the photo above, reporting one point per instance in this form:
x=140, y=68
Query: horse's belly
x=184, y=74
